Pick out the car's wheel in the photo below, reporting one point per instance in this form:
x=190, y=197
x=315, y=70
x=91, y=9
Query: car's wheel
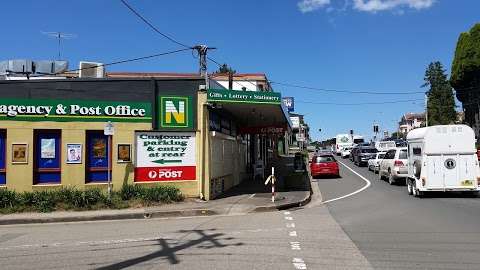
x=380, y=176
x=415, y=192
x=391, y=180
x=409, y=187
x=370, y=168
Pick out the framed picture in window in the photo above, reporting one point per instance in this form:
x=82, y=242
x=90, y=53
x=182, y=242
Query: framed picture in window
x=74, y=153
x=19, y=153
x=124, y=153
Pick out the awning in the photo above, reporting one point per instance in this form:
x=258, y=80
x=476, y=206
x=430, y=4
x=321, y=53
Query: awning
x=255, y=111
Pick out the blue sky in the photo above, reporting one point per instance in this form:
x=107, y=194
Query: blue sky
x=373, y=45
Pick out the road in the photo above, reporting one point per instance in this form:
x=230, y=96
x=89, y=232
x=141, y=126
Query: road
x=380, y=227
x=396, y=231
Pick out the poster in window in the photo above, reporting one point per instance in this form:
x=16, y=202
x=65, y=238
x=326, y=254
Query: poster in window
x=19, y=153
x=124, y=153
x=99, y=148
x=47, y=148
x=74, y=153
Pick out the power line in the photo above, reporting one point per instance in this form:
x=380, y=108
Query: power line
x=152, y=26
x=346, y=91
x=359, y=104
x=118, y=62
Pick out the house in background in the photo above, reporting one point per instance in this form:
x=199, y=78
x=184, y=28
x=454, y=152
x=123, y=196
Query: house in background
x=244, y=81
x=411, y=121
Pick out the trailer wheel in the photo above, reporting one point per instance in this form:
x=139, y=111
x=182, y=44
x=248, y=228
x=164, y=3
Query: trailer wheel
x=417, y=169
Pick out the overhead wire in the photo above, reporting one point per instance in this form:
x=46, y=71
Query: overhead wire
x=153, y=27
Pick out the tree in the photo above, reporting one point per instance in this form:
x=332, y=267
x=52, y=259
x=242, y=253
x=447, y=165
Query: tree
x=465, y=76
x=441, y=102
x=225, y=69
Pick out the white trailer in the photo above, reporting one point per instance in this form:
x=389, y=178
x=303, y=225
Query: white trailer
x=442, y=158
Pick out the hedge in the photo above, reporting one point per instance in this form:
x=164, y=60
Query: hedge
x=69, y=198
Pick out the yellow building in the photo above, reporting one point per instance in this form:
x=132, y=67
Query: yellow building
x=82, y=133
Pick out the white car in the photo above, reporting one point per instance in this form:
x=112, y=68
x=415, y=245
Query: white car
x=346, y=152
x=374, y=163
x=394, y=165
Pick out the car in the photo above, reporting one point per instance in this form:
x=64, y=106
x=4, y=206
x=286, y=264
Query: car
x=374, y=163
x=324, y=165
x=363, y=154
x=346, y=152
x=394, y=165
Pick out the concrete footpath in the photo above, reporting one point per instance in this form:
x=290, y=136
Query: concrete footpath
x=250, y=196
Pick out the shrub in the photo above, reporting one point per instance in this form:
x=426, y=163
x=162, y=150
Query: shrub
x=8, y=198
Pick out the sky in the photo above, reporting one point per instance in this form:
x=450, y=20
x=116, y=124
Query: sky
x=355, y=45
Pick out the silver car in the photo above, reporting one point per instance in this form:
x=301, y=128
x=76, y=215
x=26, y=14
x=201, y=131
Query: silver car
x=374, y=163
x=394, y=165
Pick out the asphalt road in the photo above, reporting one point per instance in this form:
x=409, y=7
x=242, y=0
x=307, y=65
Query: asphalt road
x=396, y=231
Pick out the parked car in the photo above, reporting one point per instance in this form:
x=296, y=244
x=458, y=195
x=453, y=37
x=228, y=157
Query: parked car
x=324, y=165
x=442, y=158
x=346, y=152
x=394, y=165
x=374, y=163
x=363, y=154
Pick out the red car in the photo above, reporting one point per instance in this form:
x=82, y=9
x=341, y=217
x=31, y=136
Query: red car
x=324, y=165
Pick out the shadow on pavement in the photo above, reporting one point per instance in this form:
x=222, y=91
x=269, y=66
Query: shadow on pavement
x=168, y=250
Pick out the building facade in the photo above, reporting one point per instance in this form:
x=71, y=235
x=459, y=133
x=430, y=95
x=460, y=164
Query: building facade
x=411, y=121
x=166, y=129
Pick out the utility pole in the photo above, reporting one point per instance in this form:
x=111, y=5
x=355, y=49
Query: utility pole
x=202, y=53
x=426, y=109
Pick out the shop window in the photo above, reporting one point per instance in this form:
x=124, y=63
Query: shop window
x=47, y=157
x=98, y=157
x=3, y=157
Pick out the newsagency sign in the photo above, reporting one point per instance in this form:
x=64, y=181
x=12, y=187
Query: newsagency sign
x=176, y=112
x=233, y=96
x=165, y=156
x=69, y=110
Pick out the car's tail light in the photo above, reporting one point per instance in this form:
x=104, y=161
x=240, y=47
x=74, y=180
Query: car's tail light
x=398, y=163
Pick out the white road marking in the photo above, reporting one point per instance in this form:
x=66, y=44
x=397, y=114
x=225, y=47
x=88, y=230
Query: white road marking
x=251, y=196
x=293, y=233
x=289, y=218
x=355, y=192
x=286, y=213
x=290, y=225
x=299, y=263
x=295, y=245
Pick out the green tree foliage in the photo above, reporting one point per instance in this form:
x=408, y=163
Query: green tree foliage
x=465, y=76
x=441, y=102
x=225, y=69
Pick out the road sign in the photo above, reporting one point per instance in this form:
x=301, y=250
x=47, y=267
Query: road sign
x=109, y=129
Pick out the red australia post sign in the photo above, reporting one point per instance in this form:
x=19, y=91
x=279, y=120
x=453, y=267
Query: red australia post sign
x=165, y=156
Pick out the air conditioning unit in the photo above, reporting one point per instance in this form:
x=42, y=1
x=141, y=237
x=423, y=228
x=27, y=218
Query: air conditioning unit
x=91, y=70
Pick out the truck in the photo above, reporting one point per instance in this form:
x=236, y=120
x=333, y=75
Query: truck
x=442, y=158
x=342, y=141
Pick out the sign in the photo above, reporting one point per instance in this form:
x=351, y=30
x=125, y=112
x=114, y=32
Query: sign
x=295, y=121
x=289, y=102
x=74, y=110
x=108, y=130
x=176, y=112
x=74, y=153
x=165, y=156
x=263, y=130
x=47, y=148
x=233, y=96
x=300, y=137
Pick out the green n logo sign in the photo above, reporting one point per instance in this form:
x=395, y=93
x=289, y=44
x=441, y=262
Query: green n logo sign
x=175, y=112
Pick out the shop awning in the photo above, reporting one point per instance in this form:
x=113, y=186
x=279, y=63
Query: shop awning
x=255, y=111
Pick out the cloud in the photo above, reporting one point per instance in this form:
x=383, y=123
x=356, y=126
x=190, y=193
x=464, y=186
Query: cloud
x=372, y=6
x=381, y=5
x=310, y=5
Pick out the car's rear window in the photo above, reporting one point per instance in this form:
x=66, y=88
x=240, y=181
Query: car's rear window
x=402, y=154
x=325, y=159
